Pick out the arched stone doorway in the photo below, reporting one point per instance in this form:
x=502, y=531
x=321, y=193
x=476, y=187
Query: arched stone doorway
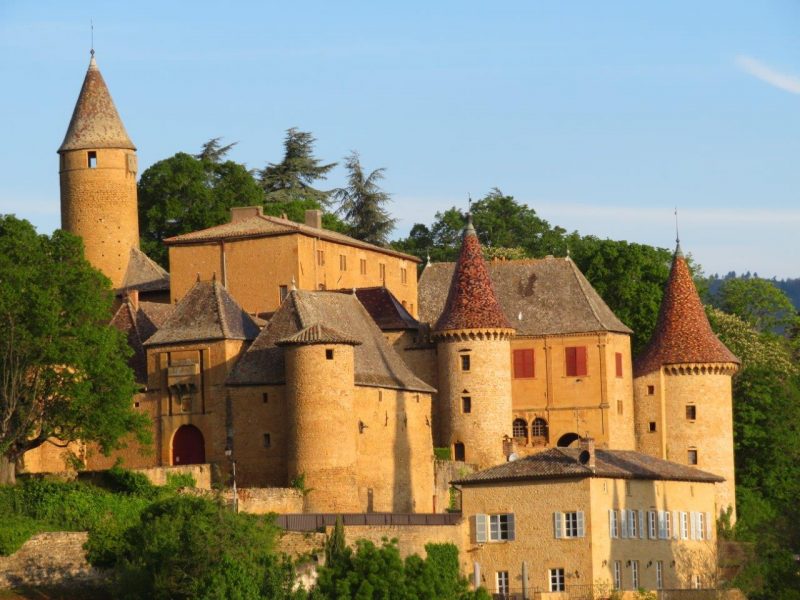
x=568, y=439
x=188, y=446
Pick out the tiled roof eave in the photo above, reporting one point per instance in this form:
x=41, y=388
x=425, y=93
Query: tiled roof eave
x=596, y=474
x=468, y=333
x=724, y=367
x=192, y=340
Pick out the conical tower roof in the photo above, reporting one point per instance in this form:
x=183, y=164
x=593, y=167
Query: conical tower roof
x=471, y=302
x=683, y=333
x=95, y=121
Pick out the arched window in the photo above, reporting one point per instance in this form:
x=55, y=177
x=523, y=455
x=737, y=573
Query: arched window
x=539, y=428
x=459, y=453
x=520, y=428
x=568, y=439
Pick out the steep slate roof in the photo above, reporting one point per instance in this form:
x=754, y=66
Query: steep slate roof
x=683, y=333
x=144, y=274
x=386, y=310
x=266, y=226
x=318, y=334
x=376, y=363
x=551, y=294
x=563, y=463
x=471, y=301
x=206, y=312
x=139, y=324
x=95, y=121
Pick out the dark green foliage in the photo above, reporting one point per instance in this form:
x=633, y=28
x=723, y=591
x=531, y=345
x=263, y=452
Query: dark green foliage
x=443, y=453
x=372, y=572
x=292, y=178
x=185, y=193
x=190, y=547
x=63, y=371
x=336, y=544
x=15, y=531
x=362, y=203
x=759, y=302
x=180, y=480
x=125, y=481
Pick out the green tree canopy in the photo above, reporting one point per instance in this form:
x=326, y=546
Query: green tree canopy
x=758, y=301
x=63, y=370
x=293, y=177
x=362, y=204
x=184, y=193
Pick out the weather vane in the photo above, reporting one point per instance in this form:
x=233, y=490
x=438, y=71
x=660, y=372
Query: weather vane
x=677, y=234
x=91, y=27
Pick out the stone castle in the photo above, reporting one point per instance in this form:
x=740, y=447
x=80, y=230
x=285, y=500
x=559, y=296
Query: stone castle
x=317, y=360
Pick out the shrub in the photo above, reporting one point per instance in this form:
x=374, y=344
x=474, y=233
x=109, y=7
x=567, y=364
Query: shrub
x=15, y=531
x=130, y=482
x=180, y=480
x=442, y=453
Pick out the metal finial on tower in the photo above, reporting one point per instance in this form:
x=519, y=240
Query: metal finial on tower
x=677, y=233
x=293, y=286
x=91, y=26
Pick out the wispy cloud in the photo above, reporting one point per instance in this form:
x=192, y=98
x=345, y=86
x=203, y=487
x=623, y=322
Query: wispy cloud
x=782, y=81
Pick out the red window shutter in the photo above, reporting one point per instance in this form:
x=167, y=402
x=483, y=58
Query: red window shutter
x=523, y=364
x=572, y=364
x=618, y=357
x=517, y=364
x=532, y=363
x=580, y=360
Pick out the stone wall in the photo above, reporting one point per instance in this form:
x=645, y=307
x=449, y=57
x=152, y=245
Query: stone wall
x=260, y=501
x=201, y=474
x=411, y=539
x=48, y=559
x=446, y=471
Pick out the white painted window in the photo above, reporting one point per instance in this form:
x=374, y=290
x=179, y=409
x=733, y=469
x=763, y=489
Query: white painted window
x=502, y=582
x=697, y=582
x=623, y=523
x=633, y=524
x=652, y=532
x=613, y=524
x=557, y=580
x=659, y=574
x=684, y=526
x=709, y=526
x=494, y=528
x=641, y=523
x=568, y=524
x=635, y=574
x=617, y=574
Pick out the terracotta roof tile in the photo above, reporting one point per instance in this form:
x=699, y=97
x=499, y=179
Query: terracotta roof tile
x=376, y=363
x=317, y=334
x=206, y=312
x=561, y=463
x=95, y=121
x=471, y=301
x=683, y=333
x=548, y=296
x=386, y=310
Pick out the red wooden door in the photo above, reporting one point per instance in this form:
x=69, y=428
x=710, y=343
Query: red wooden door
x=188, y=447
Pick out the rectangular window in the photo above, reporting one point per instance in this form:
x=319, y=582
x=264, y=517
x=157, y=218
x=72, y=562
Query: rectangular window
x=651, y=525
x=283, y=291
x=633, y=529
x=465, y=362
x=557, y=580
x=635, y=574
x=696, y=580
x=684, y=526
x=524, y=366
x=568, y=524
x=92, y=159
x=265, y=397
x=701, y=526
x=617, y=574
x=321, y=258
x=620, y=407
x=659, y=574
x=362, y=265
x=502, y=582
x=329, y=353
x=613, y=523
x=691, y=412
x=466, y=404
x=382, y=271
x=651, y=390
x=692, y=456
x=342, y=262
x=652, y=426
x=267, y=440
x=403, y=275
x=667, y=525
x=618, y=363
x=576, y=360
x=501, y=528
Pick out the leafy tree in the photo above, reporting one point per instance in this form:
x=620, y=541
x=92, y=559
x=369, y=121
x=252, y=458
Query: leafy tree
x=759, y=302
x=292, y=178
x=63, y=370
x=184, y=193
x=213, y=151
x=362, y=204
x=190, y=547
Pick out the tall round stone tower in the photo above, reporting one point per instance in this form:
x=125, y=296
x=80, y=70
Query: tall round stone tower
x=320, y=389
x=682, y=387
x=473, y=344
x=98, y=180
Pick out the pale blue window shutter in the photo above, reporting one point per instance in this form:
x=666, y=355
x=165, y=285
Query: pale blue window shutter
x=623, y=518
x=558, y=520
x=676, y=525
x=693, y=525
x=662, y=525
x=511, y=527
x=480, y=529
x=612, y=524
x=709, y=526
x=580, y=523
x=641, y=524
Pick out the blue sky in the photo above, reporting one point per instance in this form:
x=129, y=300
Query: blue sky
x=601, y=116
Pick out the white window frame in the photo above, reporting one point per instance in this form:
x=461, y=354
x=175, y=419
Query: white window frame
x=668, y=525
x=502, y=582
x=617, y=574
x=684, y=525
x=569, y=525
x=659, y=574
x=696, y=581
x=652, y=527
x=556, y=580
x=623, y=522
x=495, y=528
x=613, y=524
x=635, y=574
x=633, y=525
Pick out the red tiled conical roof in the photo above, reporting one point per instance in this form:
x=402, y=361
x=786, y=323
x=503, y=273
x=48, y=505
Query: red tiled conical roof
x=683, y=333
x=471, y=302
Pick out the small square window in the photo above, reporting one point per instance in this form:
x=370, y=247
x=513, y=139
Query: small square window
x=363, y=266
x=403, y=275
x=651, y=390
x=691, y=412
x=135, y=405
x=652, y=426
x=692, y=456
x=265, y=397
x=618, y=363
x=557, y=582
x=465, y=362
x=321, y=258
x=459, y=452
x=267, y=440
x=329, y=353
x=92, y=159
x=466, y=404
x=502, y=583
x=619, y=407
x=342, y=262
x=283, y=291
x=382, y=269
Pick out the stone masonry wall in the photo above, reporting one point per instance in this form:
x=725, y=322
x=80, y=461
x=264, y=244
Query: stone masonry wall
x=48, y=559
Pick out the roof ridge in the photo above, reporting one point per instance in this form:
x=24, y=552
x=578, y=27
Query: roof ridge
x=223, y=322
x=578, y=278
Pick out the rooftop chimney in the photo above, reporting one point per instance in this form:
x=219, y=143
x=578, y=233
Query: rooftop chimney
x=587, y=456
x=314, y=218
x=240, y=213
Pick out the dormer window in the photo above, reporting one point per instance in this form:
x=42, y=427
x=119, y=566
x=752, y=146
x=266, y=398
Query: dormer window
x=92, y=159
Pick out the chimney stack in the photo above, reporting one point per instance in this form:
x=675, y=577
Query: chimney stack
x=314, y=218
x=240, y=213
x=587, y=456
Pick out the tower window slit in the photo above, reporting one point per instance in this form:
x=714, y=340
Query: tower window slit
x=92, y=159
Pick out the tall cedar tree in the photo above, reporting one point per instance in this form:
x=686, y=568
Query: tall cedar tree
x=63, y=371
x=292, y=178
x=362, y=204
